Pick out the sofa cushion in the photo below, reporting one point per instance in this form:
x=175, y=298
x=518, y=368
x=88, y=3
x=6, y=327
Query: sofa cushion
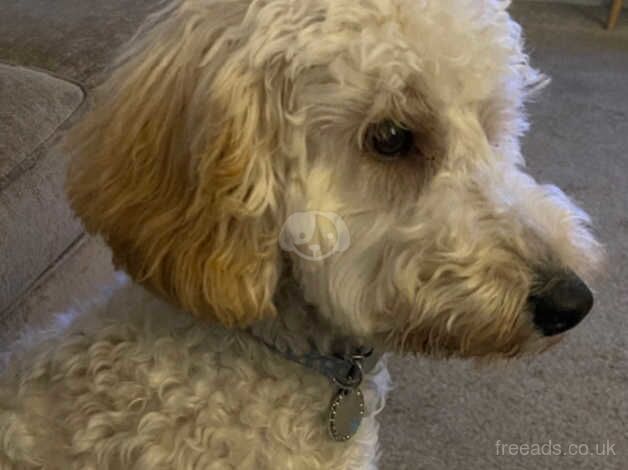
x=36, y=224
x=32, y=106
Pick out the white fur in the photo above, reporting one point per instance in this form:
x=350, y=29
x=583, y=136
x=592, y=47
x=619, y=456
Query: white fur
x=137, y=384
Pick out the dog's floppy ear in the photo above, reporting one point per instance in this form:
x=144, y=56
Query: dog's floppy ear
x=172, y=166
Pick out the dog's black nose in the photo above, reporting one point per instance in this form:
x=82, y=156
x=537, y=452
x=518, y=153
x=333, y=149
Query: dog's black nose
x=561, y=304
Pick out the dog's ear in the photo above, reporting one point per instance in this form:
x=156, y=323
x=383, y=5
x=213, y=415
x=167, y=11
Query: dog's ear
x=172, y=166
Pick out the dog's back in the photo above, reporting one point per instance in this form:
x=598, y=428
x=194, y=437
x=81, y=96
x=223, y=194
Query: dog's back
x=132, y=383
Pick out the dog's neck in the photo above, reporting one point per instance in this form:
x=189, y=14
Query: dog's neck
x=300, y=328
x=300, y=334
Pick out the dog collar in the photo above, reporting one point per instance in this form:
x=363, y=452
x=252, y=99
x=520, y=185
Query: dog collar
x=346, y=373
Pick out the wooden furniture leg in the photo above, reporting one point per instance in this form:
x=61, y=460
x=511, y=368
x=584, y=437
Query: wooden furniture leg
x=614, y=15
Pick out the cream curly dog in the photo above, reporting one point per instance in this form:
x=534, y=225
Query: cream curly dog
x=295, y=182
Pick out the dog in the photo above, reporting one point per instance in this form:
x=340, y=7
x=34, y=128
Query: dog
x=295, y=189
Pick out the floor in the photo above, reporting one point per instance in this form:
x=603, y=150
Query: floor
x=449, y=415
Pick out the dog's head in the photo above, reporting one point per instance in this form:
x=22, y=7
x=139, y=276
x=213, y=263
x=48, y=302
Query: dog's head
x=382, y=133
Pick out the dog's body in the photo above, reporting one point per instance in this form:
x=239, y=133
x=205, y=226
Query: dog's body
x=386, y=129
x=136, y=384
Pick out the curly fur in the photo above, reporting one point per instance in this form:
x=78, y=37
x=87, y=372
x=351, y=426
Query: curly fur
x=221, y=119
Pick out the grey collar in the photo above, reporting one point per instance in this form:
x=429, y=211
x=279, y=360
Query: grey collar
x=346, y=373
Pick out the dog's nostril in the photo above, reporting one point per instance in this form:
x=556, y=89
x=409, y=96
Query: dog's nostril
x=561, y=305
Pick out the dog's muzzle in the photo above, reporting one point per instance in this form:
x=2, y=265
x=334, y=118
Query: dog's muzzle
x=561, y=304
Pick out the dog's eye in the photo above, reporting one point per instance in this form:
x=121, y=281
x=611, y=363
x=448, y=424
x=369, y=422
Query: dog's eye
x=389, y=140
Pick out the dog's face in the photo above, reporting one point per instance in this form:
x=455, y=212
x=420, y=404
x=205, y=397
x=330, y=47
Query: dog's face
x=367, y=148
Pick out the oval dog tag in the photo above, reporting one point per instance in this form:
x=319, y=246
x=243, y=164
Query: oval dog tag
x=345, y=414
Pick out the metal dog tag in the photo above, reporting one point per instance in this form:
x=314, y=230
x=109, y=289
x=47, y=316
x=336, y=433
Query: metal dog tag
x=345, y=414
